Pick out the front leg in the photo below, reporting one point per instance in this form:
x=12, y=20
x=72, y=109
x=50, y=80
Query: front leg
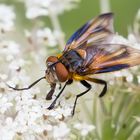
x=49, y=95
x=54, y=102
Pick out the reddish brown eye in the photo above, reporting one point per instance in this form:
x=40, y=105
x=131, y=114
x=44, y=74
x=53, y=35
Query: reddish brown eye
x=61, y=72
x=52, y=59
x=60, y=69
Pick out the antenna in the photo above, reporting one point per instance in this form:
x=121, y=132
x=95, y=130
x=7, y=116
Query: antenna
x=26, y=88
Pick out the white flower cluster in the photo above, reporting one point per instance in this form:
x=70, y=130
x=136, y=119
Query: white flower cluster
x=36, y=8
x=46, y=36
x=84, y=128
x=24, y=114
x=7, y=17
x=131, y=41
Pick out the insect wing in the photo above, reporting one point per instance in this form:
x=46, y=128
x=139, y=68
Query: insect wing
x=94, y=31
x=109, y=57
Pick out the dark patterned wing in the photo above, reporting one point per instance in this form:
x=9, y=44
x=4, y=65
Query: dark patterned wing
x=95, y=31
x=108, y=58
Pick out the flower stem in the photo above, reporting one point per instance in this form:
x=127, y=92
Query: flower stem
x=104, y=6
x=57, y=28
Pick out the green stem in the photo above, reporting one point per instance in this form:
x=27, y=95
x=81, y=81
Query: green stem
x=56, y=25
x=104, y=6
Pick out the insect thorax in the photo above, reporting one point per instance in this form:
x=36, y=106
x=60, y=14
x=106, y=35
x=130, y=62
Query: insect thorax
x=72, y=61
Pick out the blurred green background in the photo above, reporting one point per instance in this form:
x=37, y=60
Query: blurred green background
x=124, y=10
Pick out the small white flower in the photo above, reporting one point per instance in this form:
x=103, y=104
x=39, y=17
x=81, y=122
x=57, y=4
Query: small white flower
x=138, y=78
x=117, y=39
x=7, y=132
x=61, y=130
x=137, y=118
x=27, y=33
x=7, y=17
x=59, y=112
x=3, y=85
x=9, y=48
x=138, y=15
x=84, y=128
x=3, y=76
x=4, y=104
x=36, y=8
x=46, y=35
x=21, y=78
x=35, y=12
x=130, y=42
x=59, y=6
x=134, y=42
x=16, y=64
x=132, y=38
x=124, y=73
x=129, y=78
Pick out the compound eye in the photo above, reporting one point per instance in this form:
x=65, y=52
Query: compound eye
x=61, y=72
x=51, y=60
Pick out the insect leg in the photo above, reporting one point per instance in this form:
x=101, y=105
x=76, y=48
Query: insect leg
x=88, y=86
x=49, y=95
x=53, y=103
x=99, y=81
x=60, y=85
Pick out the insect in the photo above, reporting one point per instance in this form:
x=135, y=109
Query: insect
x=87, y=52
